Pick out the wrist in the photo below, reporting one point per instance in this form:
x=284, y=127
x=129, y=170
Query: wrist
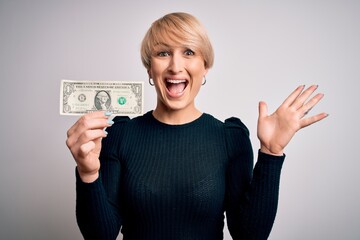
x=264, y=149
x=88, y=177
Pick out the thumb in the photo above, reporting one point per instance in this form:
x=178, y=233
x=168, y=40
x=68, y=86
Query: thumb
x=263, y=109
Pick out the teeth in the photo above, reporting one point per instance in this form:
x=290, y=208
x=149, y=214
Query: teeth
x=174, y=81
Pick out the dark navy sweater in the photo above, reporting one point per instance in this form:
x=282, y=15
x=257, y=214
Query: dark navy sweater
x=175, y=182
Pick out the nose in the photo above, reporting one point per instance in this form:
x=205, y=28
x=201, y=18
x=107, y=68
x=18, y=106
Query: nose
x=176, y=64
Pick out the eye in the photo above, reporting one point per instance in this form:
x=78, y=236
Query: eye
x=189, y=52
x=163, y=54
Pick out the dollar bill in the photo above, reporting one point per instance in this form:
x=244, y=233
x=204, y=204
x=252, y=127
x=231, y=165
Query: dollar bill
x=120, y=98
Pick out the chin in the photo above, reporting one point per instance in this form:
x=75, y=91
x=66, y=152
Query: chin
x=177, y=105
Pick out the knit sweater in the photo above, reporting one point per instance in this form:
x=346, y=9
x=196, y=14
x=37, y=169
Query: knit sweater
x=175, y=182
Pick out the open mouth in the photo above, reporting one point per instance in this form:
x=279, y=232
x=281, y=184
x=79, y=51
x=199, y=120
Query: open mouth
x=176, y=86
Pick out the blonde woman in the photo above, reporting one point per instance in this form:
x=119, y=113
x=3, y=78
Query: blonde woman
x=175, y=172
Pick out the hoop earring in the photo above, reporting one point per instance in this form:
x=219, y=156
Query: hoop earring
x=204, y=82
x=151, y=83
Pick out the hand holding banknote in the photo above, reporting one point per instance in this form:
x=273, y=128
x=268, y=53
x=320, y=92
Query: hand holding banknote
x=96, y=101
x=84, y=142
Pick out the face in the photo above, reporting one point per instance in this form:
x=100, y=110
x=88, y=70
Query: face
x=103, y=97
x=178, y=73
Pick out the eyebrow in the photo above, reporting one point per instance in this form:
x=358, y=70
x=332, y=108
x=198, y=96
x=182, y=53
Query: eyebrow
x=165, y=45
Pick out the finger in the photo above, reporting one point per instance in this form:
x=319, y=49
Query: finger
x=263, y=109
x=300, y=100
x=83, y=147
x=87, y=117
x=99, y=115
x=291, y=98
x=313, y=119
x=86, y=148
x=86, y=136
x=91, y=135
x=305, y=109
x=85, y=125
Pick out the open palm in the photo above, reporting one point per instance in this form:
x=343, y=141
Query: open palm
x=276, y=130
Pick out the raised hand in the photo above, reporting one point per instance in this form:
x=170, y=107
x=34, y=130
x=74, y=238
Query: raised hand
x=276, y=130
x=84, y=142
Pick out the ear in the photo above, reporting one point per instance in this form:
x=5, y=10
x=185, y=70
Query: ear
x=149, y=73
x=206, y=71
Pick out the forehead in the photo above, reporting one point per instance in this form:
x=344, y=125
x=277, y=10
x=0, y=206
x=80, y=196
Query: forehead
x=169, y=39
x=102, y=94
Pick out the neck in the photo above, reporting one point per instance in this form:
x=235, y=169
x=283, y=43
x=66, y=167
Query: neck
x=176, y=117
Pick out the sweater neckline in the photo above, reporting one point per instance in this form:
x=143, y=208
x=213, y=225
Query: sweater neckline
x=195, y=122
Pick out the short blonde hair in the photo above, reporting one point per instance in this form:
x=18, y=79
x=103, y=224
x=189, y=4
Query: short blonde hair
x=179, y=28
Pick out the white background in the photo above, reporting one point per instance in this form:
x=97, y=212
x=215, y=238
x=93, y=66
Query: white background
x=264, y=49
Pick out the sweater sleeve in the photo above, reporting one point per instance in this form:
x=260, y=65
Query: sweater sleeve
x=252, y=193
x=98, y=210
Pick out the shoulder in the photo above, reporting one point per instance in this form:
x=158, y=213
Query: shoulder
x=119, y=123
x=211, y=120
x=123, y=126
x=234, y=124
x=231, y=125
x=120, y=120
x=237, y=138
x=125, y=121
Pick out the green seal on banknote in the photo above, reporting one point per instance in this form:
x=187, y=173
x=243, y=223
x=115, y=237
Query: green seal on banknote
x=121, y=100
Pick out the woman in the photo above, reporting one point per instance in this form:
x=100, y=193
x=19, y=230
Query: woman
x=173, y=172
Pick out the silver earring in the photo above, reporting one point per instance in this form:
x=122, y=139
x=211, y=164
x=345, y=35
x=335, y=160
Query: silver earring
x=204, y=82
x=151, y=83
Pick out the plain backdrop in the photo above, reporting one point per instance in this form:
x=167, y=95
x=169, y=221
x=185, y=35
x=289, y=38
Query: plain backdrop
x=263, y=50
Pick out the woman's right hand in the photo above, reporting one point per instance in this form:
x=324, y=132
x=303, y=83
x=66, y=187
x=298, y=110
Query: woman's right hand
x=84, y=142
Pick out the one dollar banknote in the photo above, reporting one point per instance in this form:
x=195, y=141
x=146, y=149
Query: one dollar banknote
x=118, y=97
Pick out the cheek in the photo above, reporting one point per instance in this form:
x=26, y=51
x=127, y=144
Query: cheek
x=196, y=84
x=199, y=72
x=156, y=69
x=198, y=79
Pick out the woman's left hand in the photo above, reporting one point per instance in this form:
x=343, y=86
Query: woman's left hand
x=276, y=130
